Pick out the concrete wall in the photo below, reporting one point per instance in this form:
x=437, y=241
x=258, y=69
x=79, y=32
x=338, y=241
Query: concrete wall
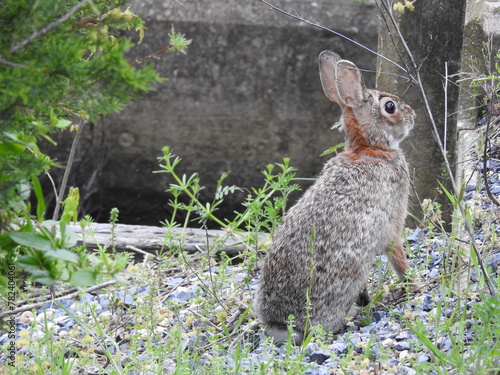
x=481, y=32
x=246, y=94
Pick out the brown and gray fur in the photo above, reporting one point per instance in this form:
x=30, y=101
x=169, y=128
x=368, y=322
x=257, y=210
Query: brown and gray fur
x=357, y=208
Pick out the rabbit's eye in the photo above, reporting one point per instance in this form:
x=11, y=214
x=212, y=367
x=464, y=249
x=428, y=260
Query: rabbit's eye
x=390, y=107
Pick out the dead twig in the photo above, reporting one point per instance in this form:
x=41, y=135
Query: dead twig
x=456, y=189
x=47, y=28
x=169, y=48
x=67, y=296
x=487, y=142
x=301, y=19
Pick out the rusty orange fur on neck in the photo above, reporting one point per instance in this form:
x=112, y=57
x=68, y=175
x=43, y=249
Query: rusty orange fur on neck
x=357, y=144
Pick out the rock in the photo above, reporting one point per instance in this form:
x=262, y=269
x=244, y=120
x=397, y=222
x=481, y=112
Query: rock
x=417, y=235
x=338, y=348
x=378, y=315
x=26, y=317
x=4, y=339
x=63, y=334
x=443, y=343
x=403, y=370
x=401, y=345
x=387, y=343
x=434, y=272
x=423, y=358
x=403, y=335
x=319, y=357
x=494, y=262
x=428, y=304
x=62, y=320
x=183, y=294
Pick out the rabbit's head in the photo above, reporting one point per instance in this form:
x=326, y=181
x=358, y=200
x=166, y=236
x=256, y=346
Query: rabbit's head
x=375, y=122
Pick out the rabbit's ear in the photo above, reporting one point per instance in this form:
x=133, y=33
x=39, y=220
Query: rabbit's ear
x=351, y=88
x=328, y=61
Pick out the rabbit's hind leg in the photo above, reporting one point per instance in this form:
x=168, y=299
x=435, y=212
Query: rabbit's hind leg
x=363, y=298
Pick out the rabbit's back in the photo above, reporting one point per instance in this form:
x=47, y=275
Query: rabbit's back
x=356, y=209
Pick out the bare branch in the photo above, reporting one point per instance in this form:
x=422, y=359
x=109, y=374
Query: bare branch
x=446, y=79
x=487, y=142
x=48, y=27
x=301, y=19
x=71, y=158
x=456, y=190
x=66, y=296
x=12, y=64
x=168, y=48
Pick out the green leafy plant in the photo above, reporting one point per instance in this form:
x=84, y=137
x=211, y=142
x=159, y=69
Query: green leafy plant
x=60, y=60
x=264, y=206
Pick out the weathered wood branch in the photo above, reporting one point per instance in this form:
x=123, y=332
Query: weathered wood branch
x=155, y=239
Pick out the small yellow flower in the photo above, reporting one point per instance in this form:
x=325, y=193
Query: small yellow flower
x=408, y=315
x=398, y=7
x=409, y=5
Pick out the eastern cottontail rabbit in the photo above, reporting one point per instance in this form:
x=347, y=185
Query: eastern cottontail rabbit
x=324, y=249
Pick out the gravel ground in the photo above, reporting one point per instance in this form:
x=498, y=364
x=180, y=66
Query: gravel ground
x=181, y=300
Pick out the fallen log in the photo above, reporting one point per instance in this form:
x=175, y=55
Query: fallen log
x=123, y=237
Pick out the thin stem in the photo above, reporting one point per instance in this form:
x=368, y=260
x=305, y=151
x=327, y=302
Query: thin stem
x=485, y=158
x=445, y=135
x=301, y=19
x=169, y=48
x=71, y=158
x=47, y=28
x=456, y=190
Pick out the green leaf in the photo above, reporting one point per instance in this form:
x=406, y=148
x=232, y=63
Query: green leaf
x=450, y=196
x=68, y=235
x=63, y=255
x=119, y=277
x=11, y=148
x=33, y=266
x=62, y=123
x=121, y=263
x=6, y=242
x=332, y=150
x=40, y=199
x=45, y=280
x=83, y=277
x=430, y=345
x=33, y=240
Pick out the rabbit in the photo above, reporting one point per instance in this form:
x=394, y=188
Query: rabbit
x=324, y=249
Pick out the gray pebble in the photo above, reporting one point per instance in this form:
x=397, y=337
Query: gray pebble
x=338, y=348
x=434, y=272
x=319, y=357
x=403, y=370
x=443, y=343
x=401, y=345
x=423, y=358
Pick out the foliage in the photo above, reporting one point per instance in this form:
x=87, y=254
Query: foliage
x=60, y=60
x=264, y=206
x=50, y=254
